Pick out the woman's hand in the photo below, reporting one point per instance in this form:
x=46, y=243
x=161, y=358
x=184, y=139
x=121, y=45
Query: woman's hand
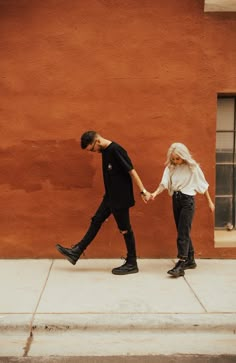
x=153, y=196
x=212, y=206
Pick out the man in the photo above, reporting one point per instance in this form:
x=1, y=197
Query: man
x=118, y=173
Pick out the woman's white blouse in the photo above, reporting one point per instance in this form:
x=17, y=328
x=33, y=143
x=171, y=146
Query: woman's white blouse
x=184, y=179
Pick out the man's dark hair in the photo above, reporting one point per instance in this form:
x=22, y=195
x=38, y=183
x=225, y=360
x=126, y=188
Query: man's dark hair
x=87, y=138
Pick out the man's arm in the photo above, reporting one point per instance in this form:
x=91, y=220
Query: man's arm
x=144, y=193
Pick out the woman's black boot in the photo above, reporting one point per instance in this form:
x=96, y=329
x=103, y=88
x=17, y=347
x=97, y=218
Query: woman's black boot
x=178, y=270
x=190, y=262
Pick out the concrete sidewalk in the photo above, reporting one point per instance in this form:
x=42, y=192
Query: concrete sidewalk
x=49, y=308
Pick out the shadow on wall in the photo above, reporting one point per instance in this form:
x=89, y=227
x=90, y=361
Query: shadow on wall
x=30, y=164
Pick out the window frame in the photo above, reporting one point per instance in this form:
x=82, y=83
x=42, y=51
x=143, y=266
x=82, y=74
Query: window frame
x=233, y=162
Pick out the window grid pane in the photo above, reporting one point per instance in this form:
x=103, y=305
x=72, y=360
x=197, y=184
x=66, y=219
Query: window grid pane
x=225, y=114
x=225, y=142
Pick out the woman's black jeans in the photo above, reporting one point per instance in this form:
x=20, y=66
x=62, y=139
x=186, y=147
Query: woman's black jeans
x=123, y=222
x=183, y=208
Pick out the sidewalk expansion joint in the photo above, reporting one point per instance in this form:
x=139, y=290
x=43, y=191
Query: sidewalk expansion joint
x=31, y=327
x=194, y=293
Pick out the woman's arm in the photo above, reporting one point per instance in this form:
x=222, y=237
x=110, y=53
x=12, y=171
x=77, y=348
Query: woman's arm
x=210, y=203
x=159, y=189
x=163, y=184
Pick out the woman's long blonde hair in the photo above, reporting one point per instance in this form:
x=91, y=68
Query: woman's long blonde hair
x=183, y=152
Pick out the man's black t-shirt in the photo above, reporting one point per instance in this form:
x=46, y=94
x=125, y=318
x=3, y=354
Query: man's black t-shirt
x=116, y=165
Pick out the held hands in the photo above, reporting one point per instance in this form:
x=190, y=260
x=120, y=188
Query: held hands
x=148, y=196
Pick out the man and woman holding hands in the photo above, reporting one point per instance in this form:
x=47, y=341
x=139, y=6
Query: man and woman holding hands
x=182, y=177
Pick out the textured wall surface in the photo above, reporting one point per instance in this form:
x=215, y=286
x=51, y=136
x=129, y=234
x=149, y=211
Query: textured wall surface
x=144, y=73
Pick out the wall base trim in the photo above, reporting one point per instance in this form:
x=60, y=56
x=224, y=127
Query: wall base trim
x=225, y=239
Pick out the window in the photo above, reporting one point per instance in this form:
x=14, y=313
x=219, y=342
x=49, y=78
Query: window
x=225, y=163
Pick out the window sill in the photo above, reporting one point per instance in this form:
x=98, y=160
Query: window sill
x=225, y=239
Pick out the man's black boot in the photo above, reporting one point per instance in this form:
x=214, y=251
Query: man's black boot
x=178, y=270
x=190, y=262
x=129, y=267
x=72, y=254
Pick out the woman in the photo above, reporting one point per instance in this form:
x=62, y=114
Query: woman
x=183, y=178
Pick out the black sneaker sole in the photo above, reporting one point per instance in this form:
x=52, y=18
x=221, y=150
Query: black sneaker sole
x=176, y=274
x=119, y=272
x=58, y=247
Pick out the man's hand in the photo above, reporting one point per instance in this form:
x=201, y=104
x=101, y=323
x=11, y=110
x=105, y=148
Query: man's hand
x=146, y=196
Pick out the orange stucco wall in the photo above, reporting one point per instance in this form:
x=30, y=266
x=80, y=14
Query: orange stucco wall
x=144, y=73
